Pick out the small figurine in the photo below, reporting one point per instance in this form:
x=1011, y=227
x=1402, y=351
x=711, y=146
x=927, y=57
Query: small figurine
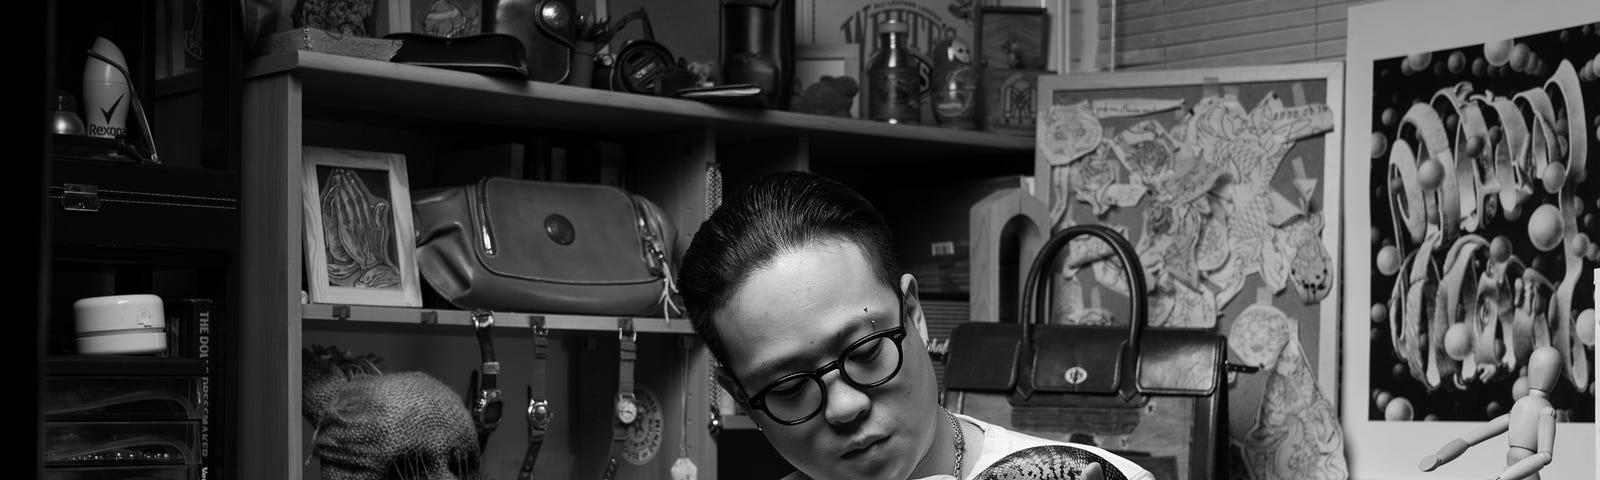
x=1531, y=424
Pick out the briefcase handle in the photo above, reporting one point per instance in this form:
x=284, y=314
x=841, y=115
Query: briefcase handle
x=1035, y=312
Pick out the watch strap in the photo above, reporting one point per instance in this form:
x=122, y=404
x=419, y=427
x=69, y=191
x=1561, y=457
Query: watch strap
x=486, y=379
x=539, y=414
x=627, y=355
x=535, y=441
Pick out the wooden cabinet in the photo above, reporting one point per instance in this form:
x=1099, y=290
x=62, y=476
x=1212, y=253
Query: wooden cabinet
x=111, y=223
x=301, y=99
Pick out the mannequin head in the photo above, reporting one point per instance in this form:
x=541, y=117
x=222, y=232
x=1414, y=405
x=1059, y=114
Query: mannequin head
x=1544, y=368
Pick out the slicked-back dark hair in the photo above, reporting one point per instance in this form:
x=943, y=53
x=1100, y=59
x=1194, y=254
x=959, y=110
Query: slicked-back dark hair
x=770, y=215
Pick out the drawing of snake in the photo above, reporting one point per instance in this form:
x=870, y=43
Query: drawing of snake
x=1052, y=462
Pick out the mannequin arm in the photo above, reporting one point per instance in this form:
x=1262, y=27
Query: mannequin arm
x=1547, y=440
x=1455, y=448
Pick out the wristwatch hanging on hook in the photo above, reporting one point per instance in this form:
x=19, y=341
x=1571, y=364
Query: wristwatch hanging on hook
x=626, y=409
x=539, y=414
x=486, y=406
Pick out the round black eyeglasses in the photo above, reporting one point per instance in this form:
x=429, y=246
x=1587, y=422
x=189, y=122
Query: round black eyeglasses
x=871, y=361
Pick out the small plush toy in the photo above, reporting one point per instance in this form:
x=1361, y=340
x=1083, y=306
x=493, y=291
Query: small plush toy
x=831, y=96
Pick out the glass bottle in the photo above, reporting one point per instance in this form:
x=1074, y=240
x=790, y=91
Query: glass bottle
x=894, y=79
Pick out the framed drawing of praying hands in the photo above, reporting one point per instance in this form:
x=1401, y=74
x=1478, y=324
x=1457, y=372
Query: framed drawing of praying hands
x=358, y=230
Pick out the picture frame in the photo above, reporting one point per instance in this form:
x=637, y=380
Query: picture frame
x=812, y=62
x=178, y=47
x=359, y=246
x=391, y=17
x=1394, y=369
x=1012, y=38
x=1226, y=181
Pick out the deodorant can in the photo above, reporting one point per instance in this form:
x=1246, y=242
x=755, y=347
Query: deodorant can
x=105, y=91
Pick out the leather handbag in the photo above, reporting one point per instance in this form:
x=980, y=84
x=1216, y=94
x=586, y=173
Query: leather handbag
x=1120, y=385
x=508, y=244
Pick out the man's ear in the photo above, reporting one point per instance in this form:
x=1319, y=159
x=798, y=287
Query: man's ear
x=915, y=321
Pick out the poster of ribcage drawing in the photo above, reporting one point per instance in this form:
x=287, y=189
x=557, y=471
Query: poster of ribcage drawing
x=1471, y=239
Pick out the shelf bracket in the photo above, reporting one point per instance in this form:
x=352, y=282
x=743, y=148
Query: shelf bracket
x=536, y=322
x=341, y=312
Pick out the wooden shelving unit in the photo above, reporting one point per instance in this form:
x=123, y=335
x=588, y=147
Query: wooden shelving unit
x=584, y=323
x=308, y=98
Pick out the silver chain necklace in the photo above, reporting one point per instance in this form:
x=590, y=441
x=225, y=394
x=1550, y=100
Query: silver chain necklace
x=961, y=442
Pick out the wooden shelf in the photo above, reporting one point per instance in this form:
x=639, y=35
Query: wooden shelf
x=420, y=316
x=123, y=366
x=376, y=92
x=307, y=98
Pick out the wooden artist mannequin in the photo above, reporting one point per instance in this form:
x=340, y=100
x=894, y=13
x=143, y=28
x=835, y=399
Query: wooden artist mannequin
x=1531, y=425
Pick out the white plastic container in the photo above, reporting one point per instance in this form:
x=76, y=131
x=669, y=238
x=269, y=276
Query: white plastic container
x=120, y=325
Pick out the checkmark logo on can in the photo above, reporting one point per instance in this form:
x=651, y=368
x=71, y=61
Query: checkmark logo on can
x=108, y=113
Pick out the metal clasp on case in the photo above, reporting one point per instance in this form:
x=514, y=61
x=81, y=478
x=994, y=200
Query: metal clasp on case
x=81, y=198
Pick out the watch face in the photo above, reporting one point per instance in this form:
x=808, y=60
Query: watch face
x=644, y=434
x=490, y=407
x=491, y=413
x=539, y=415
x=627, y=411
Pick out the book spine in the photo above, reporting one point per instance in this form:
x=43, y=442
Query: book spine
x=199, y=336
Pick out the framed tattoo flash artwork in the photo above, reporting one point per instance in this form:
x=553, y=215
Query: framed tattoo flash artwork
x=1226, y=182
x=358, y=231
x=1470, y=239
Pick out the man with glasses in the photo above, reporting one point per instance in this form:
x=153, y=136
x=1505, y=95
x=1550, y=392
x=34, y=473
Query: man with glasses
x=792, y=286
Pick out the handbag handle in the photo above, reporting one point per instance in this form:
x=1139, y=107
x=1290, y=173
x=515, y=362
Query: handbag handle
x=1033, y=310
